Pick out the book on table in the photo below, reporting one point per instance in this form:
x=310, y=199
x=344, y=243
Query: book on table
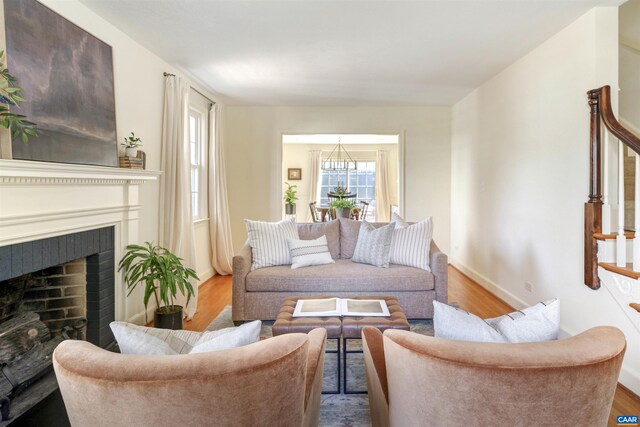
x=324, y=307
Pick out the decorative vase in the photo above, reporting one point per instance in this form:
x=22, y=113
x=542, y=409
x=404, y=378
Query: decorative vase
x=343, y=212
x=290, y=209
x=171, y=319
x=131, y=151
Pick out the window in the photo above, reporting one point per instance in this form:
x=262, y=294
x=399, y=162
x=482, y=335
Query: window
x=361, y=182
x=197, y=140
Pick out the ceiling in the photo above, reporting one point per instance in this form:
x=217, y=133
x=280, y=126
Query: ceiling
x=341, y=52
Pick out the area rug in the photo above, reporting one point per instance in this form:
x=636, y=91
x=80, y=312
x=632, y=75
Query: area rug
x=348, y=410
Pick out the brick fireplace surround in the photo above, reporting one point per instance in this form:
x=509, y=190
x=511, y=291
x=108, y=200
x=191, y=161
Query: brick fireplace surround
x=53, y=213
x=94, y=245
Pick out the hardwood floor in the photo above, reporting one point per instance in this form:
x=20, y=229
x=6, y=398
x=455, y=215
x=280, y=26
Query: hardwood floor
x=215, y=294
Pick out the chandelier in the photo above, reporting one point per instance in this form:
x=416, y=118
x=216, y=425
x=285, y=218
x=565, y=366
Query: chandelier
x=339, y=160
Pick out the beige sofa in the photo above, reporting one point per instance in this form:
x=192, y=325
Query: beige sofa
x=259, y=294
x=415, y=380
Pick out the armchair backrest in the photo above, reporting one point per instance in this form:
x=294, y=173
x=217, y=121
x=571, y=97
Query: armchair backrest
x=259, y=384
x=564, y=382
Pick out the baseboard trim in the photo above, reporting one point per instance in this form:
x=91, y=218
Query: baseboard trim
x=206, y=275
x=489, y=285
x=629, y=378
x=139, y=318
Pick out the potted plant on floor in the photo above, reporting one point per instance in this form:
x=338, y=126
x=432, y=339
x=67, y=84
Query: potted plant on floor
x=163, y=276
x=290, y=199
x=131, y=144
x=343, y=207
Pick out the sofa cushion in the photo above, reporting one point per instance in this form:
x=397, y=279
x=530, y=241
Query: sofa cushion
x=374, y=245
x=331, y=229
x=268, y=241
x=342, y=276
x=410, y=244
x=305, y=253
x=349, y=231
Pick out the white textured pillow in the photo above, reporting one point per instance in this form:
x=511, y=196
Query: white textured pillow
x=410, y=243
x=134, y=339
x=454, y=323
x=305, y=253
x=223, y=339
x=540, y=322
x=373, y=245
x=142, y=340
x=268, y=241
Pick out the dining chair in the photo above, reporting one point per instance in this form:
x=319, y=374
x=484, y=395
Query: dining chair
x=314, y=212
x=364, y=208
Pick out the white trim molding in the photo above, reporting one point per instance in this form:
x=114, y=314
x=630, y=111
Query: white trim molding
x=40, y=200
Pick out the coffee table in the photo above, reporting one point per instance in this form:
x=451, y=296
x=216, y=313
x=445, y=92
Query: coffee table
x=339, y=328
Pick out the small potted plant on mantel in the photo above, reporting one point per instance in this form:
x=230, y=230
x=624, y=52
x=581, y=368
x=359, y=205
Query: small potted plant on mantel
x=343, y=207
x=163, y=276
x=131, y=144
x=290, y=198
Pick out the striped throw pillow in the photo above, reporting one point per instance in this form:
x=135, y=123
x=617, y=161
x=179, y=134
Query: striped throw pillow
x=305, y=253
x=142, y=340
x=268, y=241
x=373, y=245
x=134, y=339
x=410, y=243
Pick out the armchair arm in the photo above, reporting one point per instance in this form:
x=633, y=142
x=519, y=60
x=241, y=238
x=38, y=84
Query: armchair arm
x=375, y=365
x=438, y=263
x=315, y=369
x=241, y=267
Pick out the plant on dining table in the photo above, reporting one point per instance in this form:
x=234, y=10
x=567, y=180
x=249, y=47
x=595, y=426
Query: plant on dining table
x=343, y=207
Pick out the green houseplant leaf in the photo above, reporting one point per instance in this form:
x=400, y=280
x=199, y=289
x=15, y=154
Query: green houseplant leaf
x=291, y=194
x=11, y=96
x=160, y=272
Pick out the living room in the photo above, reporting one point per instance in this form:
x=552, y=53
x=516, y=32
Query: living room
x=487, y=102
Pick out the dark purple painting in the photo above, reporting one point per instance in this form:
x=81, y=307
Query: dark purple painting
x=67, y=77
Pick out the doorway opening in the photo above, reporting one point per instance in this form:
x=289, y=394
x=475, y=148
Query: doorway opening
x=371, y=178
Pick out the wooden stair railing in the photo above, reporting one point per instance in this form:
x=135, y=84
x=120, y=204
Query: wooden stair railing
x=600, y=112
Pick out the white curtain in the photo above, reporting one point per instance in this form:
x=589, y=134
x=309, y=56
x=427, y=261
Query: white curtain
x=382, y=187
x=314, y=177
x=176, y=222
x=219, y=222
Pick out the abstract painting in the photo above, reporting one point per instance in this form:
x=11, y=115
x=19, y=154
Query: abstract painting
x=67, y=77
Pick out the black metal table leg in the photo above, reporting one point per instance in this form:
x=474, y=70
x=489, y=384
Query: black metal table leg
x=347, y=351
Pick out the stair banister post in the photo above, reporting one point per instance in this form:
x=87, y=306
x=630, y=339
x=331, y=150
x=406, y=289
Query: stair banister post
x=595, y=194
x=593, y=208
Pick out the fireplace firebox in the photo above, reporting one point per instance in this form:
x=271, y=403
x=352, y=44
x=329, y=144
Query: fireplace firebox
x=56, y=288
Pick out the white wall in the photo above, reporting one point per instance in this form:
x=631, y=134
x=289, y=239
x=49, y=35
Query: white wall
x=630, y=64
x=297, y=156
x=139, y=92
x=520, y=174
x=253, y=135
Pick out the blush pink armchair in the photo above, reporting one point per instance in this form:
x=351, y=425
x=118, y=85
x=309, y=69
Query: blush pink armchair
x=415, y=380
x=277, y=381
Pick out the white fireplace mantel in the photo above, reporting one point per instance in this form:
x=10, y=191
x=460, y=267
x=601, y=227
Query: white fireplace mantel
x=40, y=200
x=27, y=172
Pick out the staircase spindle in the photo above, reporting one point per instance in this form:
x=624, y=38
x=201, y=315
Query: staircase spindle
x=621, y=243
x=606, y=207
